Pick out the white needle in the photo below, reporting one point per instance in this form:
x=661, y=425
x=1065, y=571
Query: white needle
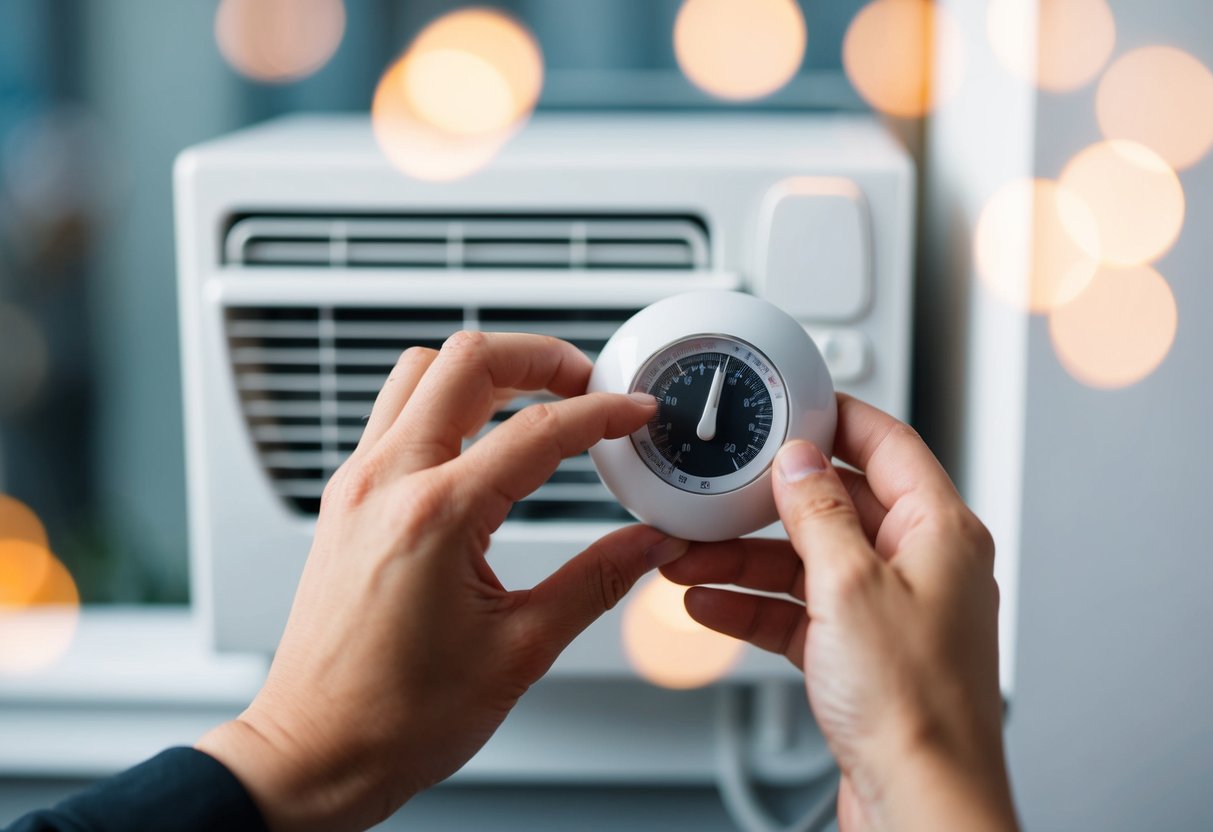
x=707, y=422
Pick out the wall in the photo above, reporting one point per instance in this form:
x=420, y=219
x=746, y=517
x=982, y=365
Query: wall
x=1111, y=726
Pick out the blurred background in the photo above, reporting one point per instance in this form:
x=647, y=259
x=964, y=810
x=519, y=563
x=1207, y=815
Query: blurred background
x=95, y=103
x=1109, y=725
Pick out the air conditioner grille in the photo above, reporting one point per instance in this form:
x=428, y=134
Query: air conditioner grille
x=308, y=376
x=542, y=242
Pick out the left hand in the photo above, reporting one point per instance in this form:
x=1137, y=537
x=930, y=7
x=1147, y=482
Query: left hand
x=898, y=630
x=403, y=652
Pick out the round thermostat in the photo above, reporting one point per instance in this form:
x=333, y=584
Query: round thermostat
x=735, y=377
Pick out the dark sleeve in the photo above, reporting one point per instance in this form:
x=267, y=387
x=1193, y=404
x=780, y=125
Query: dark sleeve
x=179, y=790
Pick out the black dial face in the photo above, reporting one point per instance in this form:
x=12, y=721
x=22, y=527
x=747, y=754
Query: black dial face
x=722, y=413
x=714, y=414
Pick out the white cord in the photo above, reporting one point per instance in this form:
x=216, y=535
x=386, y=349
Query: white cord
x=734, y=774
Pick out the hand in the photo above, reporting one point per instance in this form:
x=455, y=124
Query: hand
x=403, y=652
x=898, y=635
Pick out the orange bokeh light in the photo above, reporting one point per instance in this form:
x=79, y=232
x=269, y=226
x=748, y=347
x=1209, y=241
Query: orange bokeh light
x=18, y=522
x=417, y=148
x=892, y=50
x=31, y=576
x=1136, y=198
x=473, y=72
x=278, y=41
x=458, y=92
x=1024, y=250
x=465, y=85
x=1118, y=330
x=1072, y=41
x=740, y=49
x=1160, y=97
x=24, y=569
x=39, y=602
x=668, y=647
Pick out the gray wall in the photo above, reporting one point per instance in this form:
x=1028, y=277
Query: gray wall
x=1112, y=723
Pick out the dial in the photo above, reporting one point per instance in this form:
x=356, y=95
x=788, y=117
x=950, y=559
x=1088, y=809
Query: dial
x=736, y=377
x=721, y=414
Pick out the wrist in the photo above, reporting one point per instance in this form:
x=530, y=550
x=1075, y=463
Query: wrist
x=296, y=789
x=944, y=780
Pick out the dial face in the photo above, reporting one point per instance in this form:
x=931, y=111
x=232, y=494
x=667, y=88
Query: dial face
x=721, y=414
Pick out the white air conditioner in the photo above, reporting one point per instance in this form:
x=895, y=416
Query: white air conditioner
x=307, y=264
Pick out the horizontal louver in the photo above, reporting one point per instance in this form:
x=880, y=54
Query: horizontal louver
x=308, y=376
x=561, y=242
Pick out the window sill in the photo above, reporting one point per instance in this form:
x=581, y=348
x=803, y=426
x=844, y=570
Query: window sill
x=140, y=679
x=135, y=681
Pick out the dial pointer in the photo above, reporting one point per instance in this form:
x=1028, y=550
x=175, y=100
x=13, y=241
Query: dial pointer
x=706, y=430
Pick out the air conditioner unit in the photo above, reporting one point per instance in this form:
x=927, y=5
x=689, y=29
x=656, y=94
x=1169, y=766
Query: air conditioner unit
x=307, y=264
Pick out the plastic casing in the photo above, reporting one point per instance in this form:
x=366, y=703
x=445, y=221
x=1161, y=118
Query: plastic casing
x=812, y=409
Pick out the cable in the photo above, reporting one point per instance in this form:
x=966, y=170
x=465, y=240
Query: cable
x=780, y=755
x=734, y=775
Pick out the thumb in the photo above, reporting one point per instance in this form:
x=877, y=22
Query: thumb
x=576, y=594
x=821, y=520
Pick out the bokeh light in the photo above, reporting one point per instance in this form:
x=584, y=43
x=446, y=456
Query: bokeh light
x=417, y=148
x=19, y=522
x=458, y=92
x=35, y=638
x=1025, y=248
x=1118, y=330
x=39, y=601
x=740, y=49
x=668, y=647
x=465, y=85
x=1160, y=97
x=473, y=72
x=279, y=41
x=1136, y=198
x=1068, y=46
x=892, y=50
x=24, y=570
x=24, y=359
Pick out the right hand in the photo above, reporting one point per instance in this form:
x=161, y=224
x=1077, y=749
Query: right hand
x=403, y=651
x=898, y=635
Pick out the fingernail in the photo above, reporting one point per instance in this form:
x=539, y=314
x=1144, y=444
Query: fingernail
x=667, y=551
x=798, y=460
x=643, y=398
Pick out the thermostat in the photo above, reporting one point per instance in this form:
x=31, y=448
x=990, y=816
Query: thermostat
x=735, y=378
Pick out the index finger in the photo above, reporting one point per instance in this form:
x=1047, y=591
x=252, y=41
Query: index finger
x=457, y=394
x=892, y=455
x=519, y=455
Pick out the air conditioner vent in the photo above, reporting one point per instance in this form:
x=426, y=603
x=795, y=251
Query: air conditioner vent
x=533, y=242
x=308, y=376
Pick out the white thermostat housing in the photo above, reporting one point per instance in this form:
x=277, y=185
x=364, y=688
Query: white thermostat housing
x=307, y=264
x=735, y=377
